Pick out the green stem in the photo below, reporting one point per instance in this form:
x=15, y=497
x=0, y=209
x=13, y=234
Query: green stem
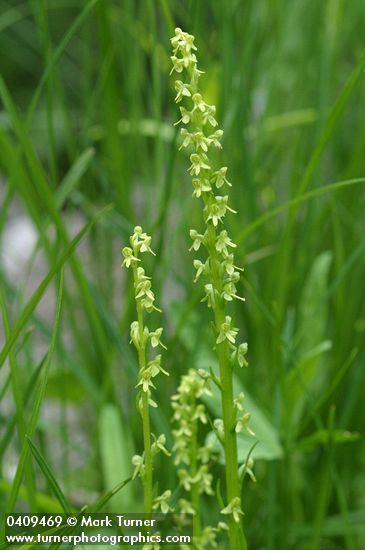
x=147, y=477
x=236, y=535
x=147, y=480
x=193, y=469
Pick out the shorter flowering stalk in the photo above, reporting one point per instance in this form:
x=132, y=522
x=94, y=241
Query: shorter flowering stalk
x=149, y=368
x=191, y=458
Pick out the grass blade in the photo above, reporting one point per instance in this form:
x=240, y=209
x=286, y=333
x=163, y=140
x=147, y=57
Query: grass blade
x=251, y=227
x=31, y=305
x=37, y=403
x=57, y=491
x=73, y=177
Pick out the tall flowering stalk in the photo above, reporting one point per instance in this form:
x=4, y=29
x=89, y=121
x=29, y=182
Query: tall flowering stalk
x=200, y=134
x=149, y=367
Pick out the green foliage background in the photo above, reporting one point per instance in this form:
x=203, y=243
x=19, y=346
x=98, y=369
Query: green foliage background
x=87, y=121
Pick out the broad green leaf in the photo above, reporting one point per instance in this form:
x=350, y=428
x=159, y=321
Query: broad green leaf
x=313, y=305
x=268, y=443
x=266, y=435
x=309, y=373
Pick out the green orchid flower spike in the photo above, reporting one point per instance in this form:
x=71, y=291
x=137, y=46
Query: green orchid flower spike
x=193, y=460
x=200, y=135
x=144, y=341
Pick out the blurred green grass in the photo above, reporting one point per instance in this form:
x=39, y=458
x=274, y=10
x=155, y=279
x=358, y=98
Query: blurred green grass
x=86, y=121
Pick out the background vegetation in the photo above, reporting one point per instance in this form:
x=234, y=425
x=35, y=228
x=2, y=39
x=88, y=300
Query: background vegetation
x=87, y=121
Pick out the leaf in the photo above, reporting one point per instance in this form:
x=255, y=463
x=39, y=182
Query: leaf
x=313, y=305
x=46, y=202
x=51, y=505
x=308, y=374
x=331, y=123
x=251, y=227
x=266, y=435
x=57, y=491
x=268, y=442
x=45, y=503
x=19, y=402
x=37, y=403
x=58, y=51
x=73, y=176
x=31, y=305
x=104, y=499
x=93, y=509
x=116, y=454
x=27, y=394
